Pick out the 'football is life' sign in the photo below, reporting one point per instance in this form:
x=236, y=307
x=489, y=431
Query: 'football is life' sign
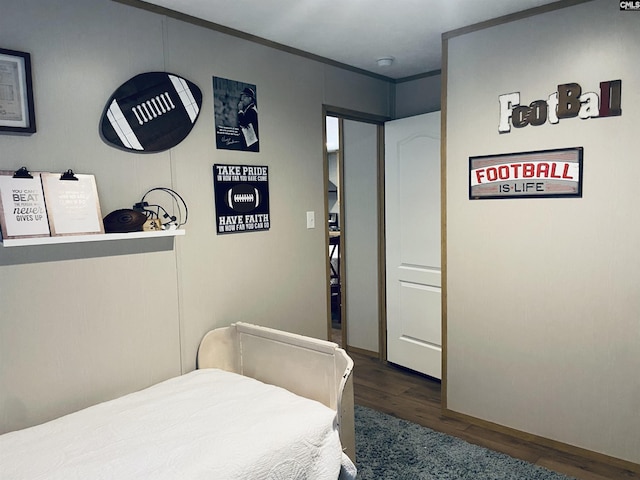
x=546, y=173
x=242, y=198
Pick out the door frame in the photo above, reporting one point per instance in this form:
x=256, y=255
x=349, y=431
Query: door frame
x=346, y=114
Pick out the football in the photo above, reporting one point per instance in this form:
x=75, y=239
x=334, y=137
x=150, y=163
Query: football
x=123, y=221
x=151, y=112
x=243, y=198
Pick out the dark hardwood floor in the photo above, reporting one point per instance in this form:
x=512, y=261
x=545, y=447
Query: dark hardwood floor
x=405, y=394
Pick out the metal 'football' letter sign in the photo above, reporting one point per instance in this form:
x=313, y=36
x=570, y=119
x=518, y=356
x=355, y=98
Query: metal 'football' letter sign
x=567, y=102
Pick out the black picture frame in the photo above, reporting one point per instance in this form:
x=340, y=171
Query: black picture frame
x=17, y=112
x=241, y=194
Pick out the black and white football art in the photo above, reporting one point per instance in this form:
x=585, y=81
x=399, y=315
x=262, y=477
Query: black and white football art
x=151, y=112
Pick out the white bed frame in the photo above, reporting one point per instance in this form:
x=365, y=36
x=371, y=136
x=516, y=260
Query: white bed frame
x=312, y=368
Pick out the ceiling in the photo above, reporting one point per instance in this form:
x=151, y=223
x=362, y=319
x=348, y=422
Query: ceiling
x=354, y=32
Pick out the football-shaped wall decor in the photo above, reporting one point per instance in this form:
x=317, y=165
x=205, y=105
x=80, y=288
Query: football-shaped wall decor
x=151, y=112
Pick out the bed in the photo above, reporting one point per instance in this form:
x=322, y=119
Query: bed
x=262, y=404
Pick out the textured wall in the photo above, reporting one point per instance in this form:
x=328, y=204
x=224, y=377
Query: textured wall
x=84, y=323
x=543, y=309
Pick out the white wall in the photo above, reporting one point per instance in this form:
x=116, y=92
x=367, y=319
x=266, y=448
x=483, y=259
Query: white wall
x=84, y=323
x=333, y=204
x=543, y=322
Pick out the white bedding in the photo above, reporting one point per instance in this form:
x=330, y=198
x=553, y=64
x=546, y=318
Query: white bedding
x=207, y=424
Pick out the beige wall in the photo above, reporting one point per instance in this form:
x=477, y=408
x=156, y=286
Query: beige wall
x=421, y=95
x=87, y=322
x=543, y=323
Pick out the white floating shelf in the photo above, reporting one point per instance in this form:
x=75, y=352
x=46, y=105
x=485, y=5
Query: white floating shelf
x=20, y=242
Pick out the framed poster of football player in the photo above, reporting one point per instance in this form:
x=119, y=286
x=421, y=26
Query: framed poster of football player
x=241, y=195
x=235, y=107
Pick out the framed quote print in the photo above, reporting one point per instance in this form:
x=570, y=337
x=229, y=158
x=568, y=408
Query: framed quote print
x=17, y=113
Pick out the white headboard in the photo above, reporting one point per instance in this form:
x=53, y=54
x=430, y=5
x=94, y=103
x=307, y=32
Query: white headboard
x=309, y=367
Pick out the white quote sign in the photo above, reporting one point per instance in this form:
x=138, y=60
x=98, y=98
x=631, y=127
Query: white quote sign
x=23, y=207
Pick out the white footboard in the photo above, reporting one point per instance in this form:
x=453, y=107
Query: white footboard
x=312, y=368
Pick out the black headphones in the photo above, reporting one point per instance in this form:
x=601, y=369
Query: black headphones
x=155, y=211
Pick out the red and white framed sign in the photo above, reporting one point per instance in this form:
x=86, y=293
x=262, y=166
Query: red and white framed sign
x=545, y=173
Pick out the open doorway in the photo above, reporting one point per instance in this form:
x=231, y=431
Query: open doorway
x=355, y=220
x=332, y=125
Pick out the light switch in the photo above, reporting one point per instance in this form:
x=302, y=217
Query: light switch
x=311, y=220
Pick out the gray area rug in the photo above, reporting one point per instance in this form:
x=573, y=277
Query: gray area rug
x=390, y=448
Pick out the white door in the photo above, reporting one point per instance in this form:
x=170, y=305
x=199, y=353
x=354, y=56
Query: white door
x=412, y=218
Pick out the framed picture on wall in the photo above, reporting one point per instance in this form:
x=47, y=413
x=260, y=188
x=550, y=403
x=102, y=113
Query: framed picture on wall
x=235, y=115
x=544, y=173
x=241, y=194
x=17, y=114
